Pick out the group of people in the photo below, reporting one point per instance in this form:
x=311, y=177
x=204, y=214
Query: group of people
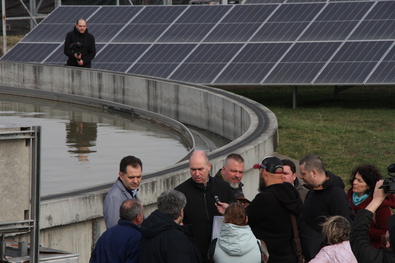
x=332, y=225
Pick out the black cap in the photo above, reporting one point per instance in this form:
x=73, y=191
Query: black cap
x=270, y=164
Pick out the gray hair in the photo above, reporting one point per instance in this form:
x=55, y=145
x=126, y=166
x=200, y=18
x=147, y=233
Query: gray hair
x=130, y=208
x=312, y=162
x=234, y=156
x=171, y=203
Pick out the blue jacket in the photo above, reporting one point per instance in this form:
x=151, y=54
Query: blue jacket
x=118, y=244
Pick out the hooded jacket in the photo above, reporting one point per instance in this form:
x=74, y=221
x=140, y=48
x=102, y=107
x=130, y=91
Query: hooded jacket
x=328, y=200
x=269, y=216
x=236, y=244
x=88, y=50
x=378, y=226
x=165, y=241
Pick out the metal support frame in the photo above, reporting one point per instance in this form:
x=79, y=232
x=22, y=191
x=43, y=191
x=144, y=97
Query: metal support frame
x=32, y=223
x=294, y=97
x=338, y=89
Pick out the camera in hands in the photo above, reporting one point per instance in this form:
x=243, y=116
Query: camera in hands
x=76, y=47
x=389, y=182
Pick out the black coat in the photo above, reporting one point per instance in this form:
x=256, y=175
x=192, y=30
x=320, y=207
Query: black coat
x=269, y=216
x=327, y=201
x=88, y=50
x=200, y=209
x=165, y=241
x=360, y=242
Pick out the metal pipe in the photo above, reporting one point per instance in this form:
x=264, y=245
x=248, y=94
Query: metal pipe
x=3, y=17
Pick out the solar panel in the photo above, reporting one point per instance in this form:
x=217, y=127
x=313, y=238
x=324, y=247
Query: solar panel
x=284, y=42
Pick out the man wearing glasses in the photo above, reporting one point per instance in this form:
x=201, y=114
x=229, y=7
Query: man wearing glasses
x=125, y=187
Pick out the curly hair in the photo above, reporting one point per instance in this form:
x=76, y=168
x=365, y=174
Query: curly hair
x=336, y=229
x=370, y=174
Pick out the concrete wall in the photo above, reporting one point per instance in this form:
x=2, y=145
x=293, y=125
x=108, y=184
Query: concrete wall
x=72, y=221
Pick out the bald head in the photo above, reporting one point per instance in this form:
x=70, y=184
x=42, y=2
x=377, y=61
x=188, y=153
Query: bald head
x=199, y=166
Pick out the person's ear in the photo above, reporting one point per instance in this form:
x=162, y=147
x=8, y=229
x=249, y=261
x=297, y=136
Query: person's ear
x=246, y=220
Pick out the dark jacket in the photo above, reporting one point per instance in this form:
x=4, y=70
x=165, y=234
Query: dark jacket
x=165, y=241
x=88, y=49
x=118, y=244
x=360, y=243
x=269, y=216
x=327, y=201
x=200, y=209
x=378, y=226
x=238, y=192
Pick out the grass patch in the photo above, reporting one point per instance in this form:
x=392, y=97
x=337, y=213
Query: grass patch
x=357, y=128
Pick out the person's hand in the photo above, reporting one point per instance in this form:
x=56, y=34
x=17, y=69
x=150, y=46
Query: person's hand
x=221, y=207
x=378, y=197
x=77, y=56
x=80, y=62
x=378, y=193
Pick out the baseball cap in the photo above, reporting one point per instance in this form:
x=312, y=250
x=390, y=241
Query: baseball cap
x=391, y=229
x=270, y=164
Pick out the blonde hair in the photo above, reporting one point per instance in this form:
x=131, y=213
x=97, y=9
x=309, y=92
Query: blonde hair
x=336, y=229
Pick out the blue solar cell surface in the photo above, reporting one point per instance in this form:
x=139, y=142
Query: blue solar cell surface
x=272, y=42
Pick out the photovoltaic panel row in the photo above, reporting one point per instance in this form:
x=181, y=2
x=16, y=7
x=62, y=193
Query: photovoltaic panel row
x=286, y=44
x=299, y=1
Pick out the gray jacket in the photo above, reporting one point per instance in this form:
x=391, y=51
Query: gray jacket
x=113, y=202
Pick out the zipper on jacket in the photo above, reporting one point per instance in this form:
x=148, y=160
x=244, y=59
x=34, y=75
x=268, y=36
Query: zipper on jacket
x=205, y=205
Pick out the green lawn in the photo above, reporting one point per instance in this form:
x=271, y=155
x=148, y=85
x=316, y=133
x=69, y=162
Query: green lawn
x=357, y=128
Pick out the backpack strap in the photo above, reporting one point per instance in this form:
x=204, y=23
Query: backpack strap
x=211, y=250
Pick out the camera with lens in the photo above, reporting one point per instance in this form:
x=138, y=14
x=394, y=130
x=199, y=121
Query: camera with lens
x=389, y=182
x=76, y=47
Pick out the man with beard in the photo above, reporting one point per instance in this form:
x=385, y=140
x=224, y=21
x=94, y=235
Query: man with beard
x=232, y=172
x=269, y=213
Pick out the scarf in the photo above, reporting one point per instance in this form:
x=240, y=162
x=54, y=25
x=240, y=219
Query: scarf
x=358, y=199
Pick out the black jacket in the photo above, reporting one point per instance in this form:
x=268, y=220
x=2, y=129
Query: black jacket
x=88, y=49
x=200, y=209
x=360, y=241
x=165, y=241
x=327, y=201
x=269, y=216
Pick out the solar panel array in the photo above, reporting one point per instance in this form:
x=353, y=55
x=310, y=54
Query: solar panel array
x=316, y=43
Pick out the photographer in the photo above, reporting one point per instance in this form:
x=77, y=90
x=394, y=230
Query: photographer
x=80, y=46
x=359, y=236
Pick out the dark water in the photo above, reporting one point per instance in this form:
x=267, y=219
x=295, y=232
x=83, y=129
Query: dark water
x=82, y=146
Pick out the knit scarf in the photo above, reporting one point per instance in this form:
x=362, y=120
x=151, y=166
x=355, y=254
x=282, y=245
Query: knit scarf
x=358, y=199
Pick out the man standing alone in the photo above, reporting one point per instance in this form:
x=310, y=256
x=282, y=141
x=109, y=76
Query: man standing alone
x=80, y=46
